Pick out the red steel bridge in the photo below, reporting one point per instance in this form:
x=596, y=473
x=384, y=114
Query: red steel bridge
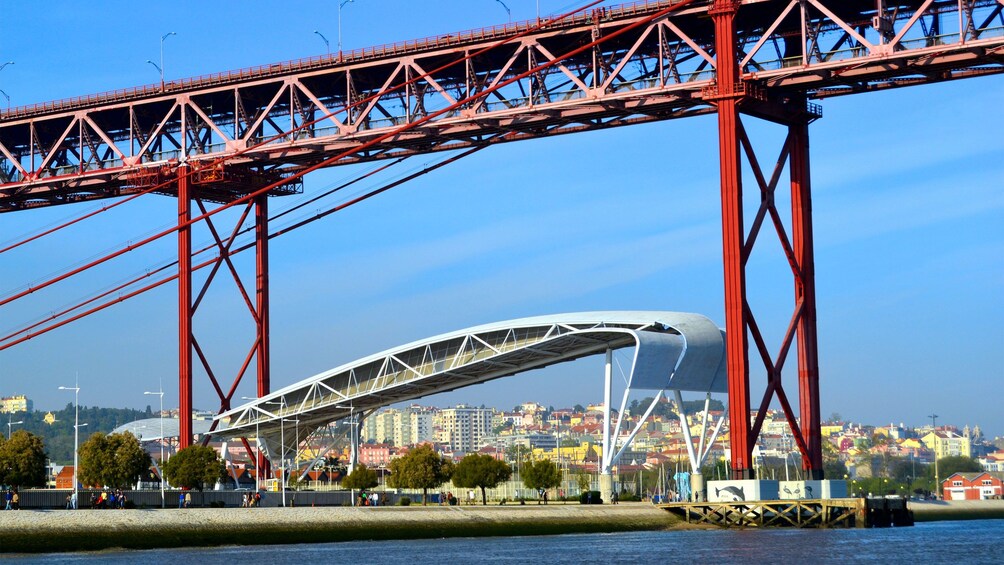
x=233, y=139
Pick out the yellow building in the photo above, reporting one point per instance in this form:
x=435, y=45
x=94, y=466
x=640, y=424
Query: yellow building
x=947, y=444
x=12, y=404
x=572, y=454
x=827, y=430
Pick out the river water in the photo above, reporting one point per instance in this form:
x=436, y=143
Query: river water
x=962, y=542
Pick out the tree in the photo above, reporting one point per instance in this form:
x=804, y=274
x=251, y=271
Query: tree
x=22, y=460
x=116, y=460
x=578, y=408
x=195, y=467
x=833, y=467
x=584, y=481
x=518, y=452
x=360, y=478
x=543, y=474
x=956, y=464
x=481, y=471
x=422, y=468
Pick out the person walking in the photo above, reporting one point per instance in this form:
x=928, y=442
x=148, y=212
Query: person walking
x=375, y=499
x=188, y=499
x=181, y=500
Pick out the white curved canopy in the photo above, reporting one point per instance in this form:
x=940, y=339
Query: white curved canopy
x=673, y=350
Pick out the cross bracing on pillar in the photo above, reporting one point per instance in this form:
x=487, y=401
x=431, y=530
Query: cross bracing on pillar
x=148, y=279
x=672, y=350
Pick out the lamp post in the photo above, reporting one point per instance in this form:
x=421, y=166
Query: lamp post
x=160, y=71
x=160, y=393
x=12, y=424
x=257, y=440
x=281, y=403
x=1, y=91
x=509, y=12
x=282, y=422
x=76, y=434
x=934, y=430
x=162, y=38
x=340, y=6
x=327, y=45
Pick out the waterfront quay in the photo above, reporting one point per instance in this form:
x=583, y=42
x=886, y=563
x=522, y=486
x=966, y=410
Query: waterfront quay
x=35, y=531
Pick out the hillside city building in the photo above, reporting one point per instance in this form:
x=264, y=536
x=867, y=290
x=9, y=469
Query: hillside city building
x=14, y=404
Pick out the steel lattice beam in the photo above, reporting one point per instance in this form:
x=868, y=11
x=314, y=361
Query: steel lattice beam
x=120, y=143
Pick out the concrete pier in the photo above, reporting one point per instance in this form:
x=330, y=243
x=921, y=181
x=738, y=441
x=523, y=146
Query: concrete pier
x=34, y=531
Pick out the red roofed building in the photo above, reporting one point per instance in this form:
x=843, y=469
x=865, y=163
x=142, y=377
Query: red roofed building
x=972, y=486
x=64, y=479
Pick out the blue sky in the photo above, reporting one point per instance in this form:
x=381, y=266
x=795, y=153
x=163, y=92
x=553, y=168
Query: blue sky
x=908, y=223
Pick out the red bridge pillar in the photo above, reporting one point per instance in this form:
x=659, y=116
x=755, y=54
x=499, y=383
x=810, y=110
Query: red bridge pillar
x=731, y=95
x=261, y=292
x=805, y=294
x=184, y=309
x=723, y=14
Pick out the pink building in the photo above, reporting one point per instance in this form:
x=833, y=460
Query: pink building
x=375, y=454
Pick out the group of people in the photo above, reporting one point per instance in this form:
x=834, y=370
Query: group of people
x=251, y=500
x=185, y=499
x=447, y=499
x=115, y=499
x=13, y=499
x=368, y=499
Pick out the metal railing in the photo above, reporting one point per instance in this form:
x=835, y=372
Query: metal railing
x=317, y=61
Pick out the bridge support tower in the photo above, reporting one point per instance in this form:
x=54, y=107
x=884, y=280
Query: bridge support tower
x=192, y=185
x=734, y=98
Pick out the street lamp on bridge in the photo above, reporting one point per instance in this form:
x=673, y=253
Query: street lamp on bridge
x=160, y=67
x=4, y=93
x=340, y=6
x=327, y=45
x=509, y=12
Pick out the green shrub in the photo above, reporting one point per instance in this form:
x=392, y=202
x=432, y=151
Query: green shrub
x=404, y=501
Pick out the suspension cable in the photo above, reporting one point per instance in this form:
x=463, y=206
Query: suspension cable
x=8, y=341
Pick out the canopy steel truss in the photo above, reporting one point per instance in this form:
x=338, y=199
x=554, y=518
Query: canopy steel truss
x=223, y=137
x=672, y=351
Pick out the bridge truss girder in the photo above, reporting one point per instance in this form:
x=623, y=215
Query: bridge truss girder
x=288, y=116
